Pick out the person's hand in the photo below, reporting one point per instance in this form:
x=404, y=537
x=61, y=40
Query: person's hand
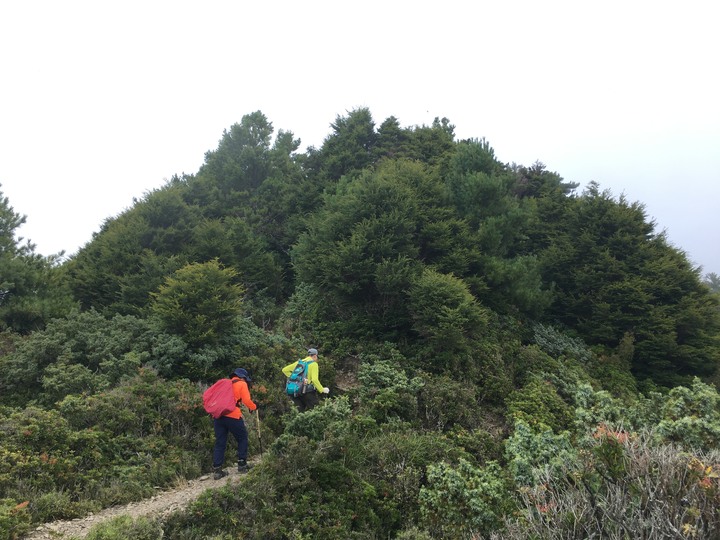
x=326, y=390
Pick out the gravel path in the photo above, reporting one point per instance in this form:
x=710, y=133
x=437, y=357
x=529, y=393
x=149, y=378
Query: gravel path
x=162, y=504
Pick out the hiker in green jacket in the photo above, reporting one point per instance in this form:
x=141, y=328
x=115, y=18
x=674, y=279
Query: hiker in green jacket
x=309, y=398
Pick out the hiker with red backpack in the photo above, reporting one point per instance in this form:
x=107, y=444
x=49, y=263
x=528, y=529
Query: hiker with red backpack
x=227, y=418
x=303, y=383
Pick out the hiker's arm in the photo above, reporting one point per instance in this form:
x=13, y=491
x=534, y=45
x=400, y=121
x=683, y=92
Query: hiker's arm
x=287, y=370
x=243, y=395
x=313, y=373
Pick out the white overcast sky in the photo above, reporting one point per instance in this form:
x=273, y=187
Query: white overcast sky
x=103, y=101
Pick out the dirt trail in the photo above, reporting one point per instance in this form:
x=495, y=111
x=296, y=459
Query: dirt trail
x=162, y=504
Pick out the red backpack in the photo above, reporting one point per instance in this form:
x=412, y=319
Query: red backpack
x=219, y=399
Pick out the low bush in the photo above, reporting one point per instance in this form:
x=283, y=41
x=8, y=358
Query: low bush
x=463, y=501
x=105, y=449
x=126, y=528
x=14, y=518
x=622, y=485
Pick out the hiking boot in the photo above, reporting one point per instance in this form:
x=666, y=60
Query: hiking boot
x=219, y=473
x=243, y=466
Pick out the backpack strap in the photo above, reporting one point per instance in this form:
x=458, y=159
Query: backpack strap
x=306, y=375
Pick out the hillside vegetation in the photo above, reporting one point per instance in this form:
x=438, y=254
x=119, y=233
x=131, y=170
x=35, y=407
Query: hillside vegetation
x=507, y=358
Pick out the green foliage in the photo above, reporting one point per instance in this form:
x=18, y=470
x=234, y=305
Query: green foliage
x=200, y=302
x=513, y=285
x=305, y=491
x=538, y=404
x=505, y=273
x=463, y=501
x=688, y=417
x=105, y=449
x=81, y=352
x=622, y=486
x=371, y=240
x=557, y=344
x=537, y=182
x=392, y=140
x=531, y=453
x=600, y=407
x=447, y=321
x=117, y=270
x=32, y=288
x=349, y=147
x=313, y=424
x=126, y=528
x=339, y=475
x=305, y=315
x=368, y=223
x=712, y=280
x=42, y=455
x=14, y=519
x=241, y=161
x=386, y=391
x=432, y=144
x=86, y=352
x=481, y=445
x=531, y=360
x=395, y=460
x=447, y=403
x=613, y=370
x=691, y=416
x=613, y=276
x=413, y=533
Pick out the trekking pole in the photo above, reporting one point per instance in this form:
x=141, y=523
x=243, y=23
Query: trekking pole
x=257, y=421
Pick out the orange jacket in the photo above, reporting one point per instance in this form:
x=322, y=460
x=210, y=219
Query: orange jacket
x=242, y=395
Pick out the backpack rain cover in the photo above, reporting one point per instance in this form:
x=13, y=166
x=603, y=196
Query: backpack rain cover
x=219, y=399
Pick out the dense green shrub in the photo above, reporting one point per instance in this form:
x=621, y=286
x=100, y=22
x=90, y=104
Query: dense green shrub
x=613, y=370
x=126, y=528
x=332, y=474
x=691, y=416
x=447, y=322
x=47, y=463
x=14, y=519
x=83, y=352
x=594, y=407
x=447, y=403
x=480, y=445
x=315, y=423
x=463, y=501
x=538, y=403
x=556, y=344
x=395, y=461
x=200, y=301
x=302, y=494
x=530, y=360
x=386, y=391
x=104, y=449
x=623, y=485
x=531, y=453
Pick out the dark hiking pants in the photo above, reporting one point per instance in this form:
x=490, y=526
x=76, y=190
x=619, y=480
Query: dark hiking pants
x=223, y=426
x=305, y=402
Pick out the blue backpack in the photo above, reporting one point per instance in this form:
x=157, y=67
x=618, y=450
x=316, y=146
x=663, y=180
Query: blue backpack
x=298, y=382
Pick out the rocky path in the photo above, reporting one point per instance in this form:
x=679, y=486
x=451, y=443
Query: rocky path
x=162, y=504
